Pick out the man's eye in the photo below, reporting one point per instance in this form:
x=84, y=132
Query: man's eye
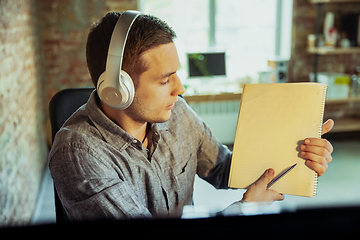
x=166, y=82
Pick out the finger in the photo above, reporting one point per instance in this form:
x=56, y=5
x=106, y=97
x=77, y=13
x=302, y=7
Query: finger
x=319, y=151
x=327, y=126
x=266, y=178
x=319, y=143
x=274, y=195
x=279, y=196
x=318, y=168
x=315, y=158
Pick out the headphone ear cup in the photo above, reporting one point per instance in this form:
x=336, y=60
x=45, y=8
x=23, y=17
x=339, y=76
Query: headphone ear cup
x=120, y=96
x=100, y=82
x=127, y=89
x=108, y=93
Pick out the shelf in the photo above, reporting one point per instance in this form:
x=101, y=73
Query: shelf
x=343, y=101
x=330, y=51
x=333, y=1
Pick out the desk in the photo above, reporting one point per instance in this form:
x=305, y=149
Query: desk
x=345, y=112
x=332, y=223
x=213, y=97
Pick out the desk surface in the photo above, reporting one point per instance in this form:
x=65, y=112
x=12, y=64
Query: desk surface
x=342, y=124
x=213, y=97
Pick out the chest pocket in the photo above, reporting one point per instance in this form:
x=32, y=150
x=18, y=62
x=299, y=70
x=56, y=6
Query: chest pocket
x=186, y=167
x=184, y=173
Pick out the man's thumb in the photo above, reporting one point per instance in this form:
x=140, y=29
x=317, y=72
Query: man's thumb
x=267, y=176
x=327, y=126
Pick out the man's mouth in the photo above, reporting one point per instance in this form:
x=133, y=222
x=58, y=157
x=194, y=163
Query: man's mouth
x=171, y=106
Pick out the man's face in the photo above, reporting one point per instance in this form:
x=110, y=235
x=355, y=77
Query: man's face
x=158, y=87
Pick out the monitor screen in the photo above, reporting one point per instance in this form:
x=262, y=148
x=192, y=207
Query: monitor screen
x=206, y=64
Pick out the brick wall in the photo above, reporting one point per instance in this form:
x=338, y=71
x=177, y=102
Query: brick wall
x=42, y=50
x=22, y=146
x=304, y=23
x=65, y=25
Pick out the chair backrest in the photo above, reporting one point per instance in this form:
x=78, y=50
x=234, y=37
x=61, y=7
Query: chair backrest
x=64, y=104
x=61, y=107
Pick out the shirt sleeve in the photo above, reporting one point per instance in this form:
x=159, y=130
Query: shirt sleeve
x=239, y=208
x=213, y=158
x=92, y=189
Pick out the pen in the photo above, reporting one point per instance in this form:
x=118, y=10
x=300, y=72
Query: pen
x=280, y=175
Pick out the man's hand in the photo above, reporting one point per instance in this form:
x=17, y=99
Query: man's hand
x=318, y=155
x=258, y=191
x=317, y=152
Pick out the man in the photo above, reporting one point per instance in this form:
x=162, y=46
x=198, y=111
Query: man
x=141, y=161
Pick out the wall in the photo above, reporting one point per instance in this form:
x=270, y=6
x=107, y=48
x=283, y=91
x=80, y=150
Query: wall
x=42, y=50
x=22, y=145
x=304, y=23
x=65, y=25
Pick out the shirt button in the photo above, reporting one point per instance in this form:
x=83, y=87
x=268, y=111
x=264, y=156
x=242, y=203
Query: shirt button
x=135, y=141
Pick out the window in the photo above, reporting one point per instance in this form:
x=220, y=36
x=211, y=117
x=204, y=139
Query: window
x=250, y=32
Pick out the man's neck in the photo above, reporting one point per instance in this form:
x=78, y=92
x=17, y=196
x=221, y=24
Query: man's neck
x=134, y=128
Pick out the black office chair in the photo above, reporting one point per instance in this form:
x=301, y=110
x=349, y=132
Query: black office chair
x=61, y=107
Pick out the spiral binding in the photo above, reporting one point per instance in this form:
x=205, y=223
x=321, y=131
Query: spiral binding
x=320, y=129
x=315, y=184
x=322, y=110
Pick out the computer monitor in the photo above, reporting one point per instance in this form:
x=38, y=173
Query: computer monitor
x=207, y=64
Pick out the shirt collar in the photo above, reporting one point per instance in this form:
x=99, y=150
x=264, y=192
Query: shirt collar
x=111, y=132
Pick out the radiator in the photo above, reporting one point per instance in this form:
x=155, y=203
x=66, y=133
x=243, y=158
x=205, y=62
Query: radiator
x=220, y=116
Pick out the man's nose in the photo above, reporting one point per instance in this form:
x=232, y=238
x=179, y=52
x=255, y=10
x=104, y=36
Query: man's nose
x=178, y=87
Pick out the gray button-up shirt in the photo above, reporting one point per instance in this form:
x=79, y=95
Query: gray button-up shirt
x=100, y=171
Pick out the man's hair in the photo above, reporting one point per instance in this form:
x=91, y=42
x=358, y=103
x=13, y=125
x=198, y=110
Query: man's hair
x=146, y=32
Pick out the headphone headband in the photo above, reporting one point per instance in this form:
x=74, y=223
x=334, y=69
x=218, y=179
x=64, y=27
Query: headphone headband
x=115, y=87
x=120, y=34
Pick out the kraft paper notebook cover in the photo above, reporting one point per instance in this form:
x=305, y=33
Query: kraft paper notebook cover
x=274, y=119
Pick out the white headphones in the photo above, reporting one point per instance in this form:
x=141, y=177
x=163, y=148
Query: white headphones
x=115, y=87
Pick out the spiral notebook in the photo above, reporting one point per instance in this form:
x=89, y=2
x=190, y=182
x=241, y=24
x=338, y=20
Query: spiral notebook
x=274, y=120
